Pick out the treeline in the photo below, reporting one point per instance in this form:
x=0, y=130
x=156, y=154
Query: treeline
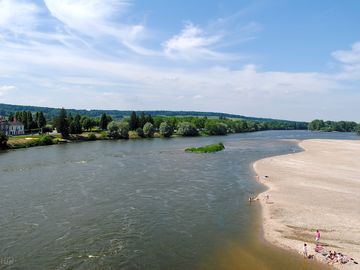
x=68, y=124
x=30, y=121
x=145, y=125
x=50, y=113
x=341, y=126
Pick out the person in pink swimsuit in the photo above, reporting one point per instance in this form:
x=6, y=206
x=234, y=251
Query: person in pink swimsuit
x=317, y=236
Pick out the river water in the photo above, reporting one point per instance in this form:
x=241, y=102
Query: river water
x=140, y=204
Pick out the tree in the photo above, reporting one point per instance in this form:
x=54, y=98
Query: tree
x=30, y=122
x=358, y=129
x=165, y=129
x=62, y=124
x=149, y=119
x=113, y=130
x=3, y=140
x=41, y=120
x=142, y=120
x=187, y=129
x=88, y=123
x=124, y=130
x=133, y=122
x=104, y=121
x=215, y=128
x=24, y=120
x=11, y=117
x=148, y=130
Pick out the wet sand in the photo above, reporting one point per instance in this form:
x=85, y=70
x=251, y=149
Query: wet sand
x=318, y=188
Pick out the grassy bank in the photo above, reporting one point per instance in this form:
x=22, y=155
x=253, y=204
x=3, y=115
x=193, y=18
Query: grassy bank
x=206, y=149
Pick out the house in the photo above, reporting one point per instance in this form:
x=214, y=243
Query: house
x=11, y=128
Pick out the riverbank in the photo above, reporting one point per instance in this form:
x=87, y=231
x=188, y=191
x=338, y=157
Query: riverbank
x=315, y=189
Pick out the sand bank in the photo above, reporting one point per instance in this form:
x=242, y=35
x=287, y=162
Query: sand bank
x=315, y=189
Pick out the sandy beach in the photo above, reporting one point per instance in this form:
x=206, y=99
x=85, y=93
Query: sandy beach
x=318, y=188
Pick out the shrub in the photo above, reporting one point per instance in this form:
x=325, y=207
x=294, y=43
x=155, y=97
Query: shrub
x=206, y=149
x=3, y=140
x=91, y=137
x=140, y=132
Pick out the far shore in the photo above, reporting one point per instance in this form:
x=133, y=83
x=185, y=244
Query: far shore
x=318, y=188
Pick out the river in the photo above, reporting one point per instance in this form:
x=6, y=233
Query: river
x=140, y=204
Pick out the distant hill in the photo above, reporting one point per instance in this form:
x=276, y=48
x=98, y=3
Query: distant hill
x=6, y=109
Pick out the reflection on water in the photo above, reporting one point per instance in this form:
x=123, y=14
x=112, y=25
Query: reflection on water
x=139, y=205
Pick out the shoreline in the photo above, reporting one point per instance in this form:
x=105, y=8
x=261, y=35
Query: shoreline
x=317, y=188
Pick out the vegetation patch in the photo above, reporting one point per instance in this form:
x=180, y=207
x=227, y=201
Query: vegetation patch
x=206, y=149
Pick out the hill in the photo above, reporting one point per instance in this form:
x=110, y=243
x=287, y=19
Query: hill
x=6, y=109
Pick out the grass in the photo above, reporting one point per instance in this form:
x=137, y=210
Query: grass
x=25, y=142
x=206, y=149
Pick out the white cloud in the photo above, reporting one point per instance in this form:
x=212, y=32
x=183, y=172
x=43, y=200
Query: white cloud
x=17, y=16
x=349, y=57
x=98, y=19
x=350, y=62
x=4, y=89
x=193, y=42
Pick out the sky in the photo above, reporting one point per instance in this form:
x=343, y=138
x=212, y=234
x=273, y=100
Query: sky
x=296, y=60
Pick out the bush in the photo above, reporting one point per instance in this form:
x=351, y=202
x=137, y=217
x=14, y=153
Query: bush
x=187, y=129
x=206, y=149
x=45, y=140
x=140, y=132
x=91, y=137
x=3, y=140
x=133, y=135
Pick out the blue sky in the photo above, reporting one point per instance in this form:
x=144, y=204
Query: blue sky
x=295, y=60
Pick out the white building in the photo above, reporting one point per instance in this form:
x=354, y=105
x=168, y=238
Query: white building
x=11, y=128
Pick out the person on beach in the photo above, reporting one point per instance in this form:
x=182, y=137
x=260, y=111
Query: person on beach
x=317, y=236
x=305, y=251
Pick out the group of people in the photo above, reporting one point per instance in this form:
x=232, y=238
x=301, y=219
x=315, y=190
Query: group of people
x=331, y=257
x=253, y=199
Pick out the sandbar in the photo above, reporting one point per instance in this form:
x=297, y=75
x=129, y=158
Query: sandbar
x=318, y=188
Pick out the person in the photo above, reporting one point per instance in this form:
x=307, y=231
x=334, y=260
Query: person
x=305, y=250
x=317, y=236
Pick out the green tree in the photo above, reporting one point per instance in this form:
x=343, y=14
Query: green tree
x=165, y=129
x=113, y=130
x=41, y=120
x=88, y=123
x=62, y=124
x=215, y=128
x=3, y=140
x=24, y=120
x=358, y=129
x=30, y=122
x=142, y=120
x=104, y=121
x=124, y=130
x=11, y=117
x=133, y=122
x=187, y=129
x=149, y=130
x=149, y=119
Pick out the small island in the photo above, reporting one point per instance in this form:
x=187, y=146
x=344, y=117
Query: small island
x=211, y=148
